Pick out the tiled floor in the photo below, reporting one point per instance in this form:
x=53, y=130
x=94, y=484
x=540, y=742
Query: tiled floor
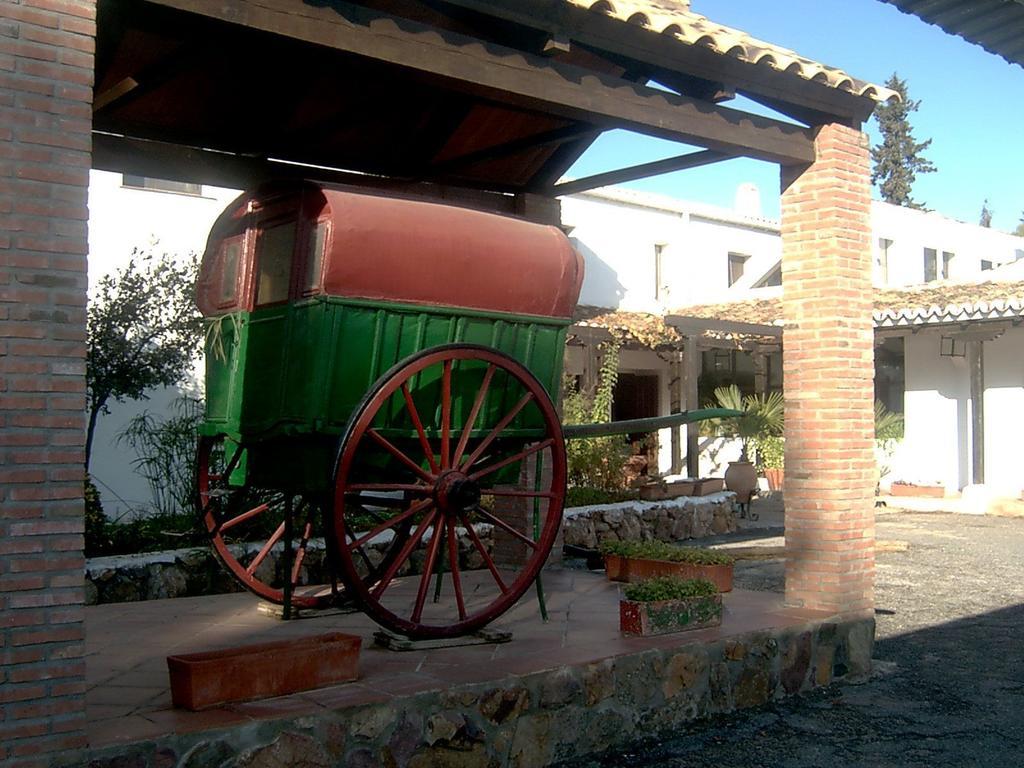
x=128, y=698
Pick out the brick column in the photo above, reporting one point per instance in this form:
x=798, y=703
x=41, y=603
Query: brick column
x=828, y=369
x=46, y=75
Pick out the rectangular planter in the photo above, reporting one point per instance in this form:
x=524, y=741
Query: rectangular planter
x=663, y=616
x=630, y=570
x=264, y=670
x=920, y=491
x=662, y=491
x=706, y=485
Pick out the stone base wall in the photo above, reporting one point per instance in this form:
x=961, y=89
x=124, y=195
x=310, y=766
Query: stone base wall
x=194, y=572
x=537, y=719
x=687, y=517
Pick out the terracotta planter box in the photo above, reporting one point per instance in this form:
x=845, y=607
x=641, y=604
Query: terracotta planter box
x=202, y=680
x=775, y=478
x=921, y=491
x=662, y=491
x=630, y=570
x=663, y=616
x=706, y=485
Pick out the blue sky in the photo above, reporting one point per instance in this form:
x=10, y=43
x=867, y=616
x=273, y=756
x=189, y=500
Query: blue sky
x=971, y=106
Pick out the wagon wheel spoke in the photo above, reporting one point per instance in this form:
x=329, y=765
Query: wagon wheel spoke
x=428, y=569
x=536, y=448
x=362, y=552
x=471, y=419
x=506, y=420
x=453, y=563
x=265, y=550
x=390, y=448
x=418, y=424
x=483, y=553
x=300, y=552
x=495, y=520
x=403, y=555
x=390, y=523
x=446, y=414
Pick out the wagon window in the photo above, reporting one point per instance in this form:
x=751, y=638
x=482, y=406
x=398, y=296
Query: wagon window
x=230, y=252
x=274, y=258
x=314, y=257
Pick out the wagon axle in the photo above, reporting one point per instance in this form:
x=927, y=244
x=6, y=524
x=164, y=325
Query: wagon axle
x=455, y=493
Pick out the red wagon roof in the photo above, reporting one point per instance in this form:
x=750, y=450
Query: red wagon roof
x=410, y=251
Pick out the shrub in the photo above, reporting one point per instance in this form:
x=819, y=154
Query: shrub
x=595, y=462
x=659, y=550
x=770, y=452
x=585, y=497
x=669, y=588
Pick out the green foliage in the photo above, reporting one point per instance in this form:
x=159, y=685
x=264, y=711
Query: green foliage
x=95, y=520
x=166, y=450
x=1019, y=231
x=582, y=496
x=669, y=588
x=898, y=159
x=770, y=451
x=659, y=550
x=763, y=415
x=595, y=462
x=888, y=424
x=144, y=331
x=141, y=534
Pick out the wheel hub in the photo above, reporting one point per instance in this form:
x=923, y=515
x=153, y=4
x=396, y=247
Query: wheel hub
x=455, y=492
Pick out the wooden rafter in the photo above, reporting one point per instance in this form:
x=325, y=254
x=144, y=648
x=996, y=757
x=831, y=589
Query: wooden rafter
x=524, y=80
x=655, y=168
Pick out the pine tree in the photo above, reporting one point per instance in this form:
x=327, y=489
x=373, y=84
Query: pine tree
x=985, y=217
x=898, y=160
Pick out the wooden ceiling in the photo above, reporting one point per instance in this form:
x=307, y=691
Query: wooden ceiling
x=501, y=96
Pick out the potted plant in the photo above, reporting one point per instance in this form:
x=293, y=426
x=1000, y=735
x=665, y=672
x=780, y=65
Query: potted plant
x=762, y=415
x=669, y=604
x=634, y=561
x=770, y=459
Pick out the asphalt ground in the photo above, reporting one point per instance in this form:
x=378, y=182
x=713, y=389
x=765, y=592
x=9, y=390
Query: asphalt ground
x=948, y=686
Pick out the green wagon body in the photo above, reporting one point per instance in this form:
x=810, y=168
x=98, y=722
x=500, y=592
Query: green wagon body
x=284, y=379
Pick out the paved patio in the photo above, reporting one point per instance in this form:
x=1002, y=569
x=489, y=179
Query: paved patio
x=128, y=698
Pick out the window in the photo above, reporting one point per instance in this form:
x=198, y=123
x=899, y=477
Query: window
x=950, y=346
x=314, y=257
x=986, y=265
x=229, y=255
x=736, y=264
x=890, y=373
x=882, y=260
x=931, y=270
x=947, y=260
x=274, y=262
x=161, y=185
x=659, y=274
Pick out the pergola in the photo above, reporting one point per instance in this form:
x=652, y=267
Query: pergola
x=480, y=103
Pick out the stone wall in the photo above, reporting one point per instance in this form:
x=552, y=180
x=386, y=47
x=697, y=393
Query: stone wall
x=687, y=517
x=193, y=572
x=537, y=719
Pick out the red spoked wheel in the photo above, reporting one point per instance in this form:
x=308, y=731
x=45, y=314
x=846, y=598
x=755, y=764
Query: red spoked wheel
x=460, y=433
x=247, y=527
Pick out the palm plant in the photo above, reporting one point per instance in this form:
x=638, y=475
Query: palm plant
x=762, y=415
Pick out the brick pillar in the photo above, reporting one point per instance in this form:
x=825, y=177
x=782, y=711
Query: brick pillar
x=828, y=369
x=46, y=75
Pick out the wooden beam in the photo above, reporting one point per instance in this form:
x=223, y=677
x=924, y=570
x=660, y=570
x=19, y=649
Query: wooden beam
x=510, y=148
x=696, y=325
x=514, y=77
x=180, y=163
x=976, y=365
x=652, y=48
x=691, y=376
x=668, y=165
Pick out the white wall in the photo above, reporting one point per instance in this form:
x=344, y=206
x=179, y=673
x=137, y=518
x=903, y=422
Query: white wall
x=120, y=219
x=912, y=231
x=1004, y=412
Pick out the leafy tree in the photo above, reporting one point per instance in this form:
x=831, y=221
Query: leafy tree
x=985, y=218
x=898, y=159
x=1019, y=231
x=144, y=331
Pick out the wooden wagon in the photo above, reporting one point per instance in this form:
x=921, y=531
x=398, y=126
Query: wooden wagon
x=381, y=372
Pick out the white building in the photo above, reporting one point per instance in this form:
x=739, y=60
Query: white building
x=948, y=305
x=649, y=255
